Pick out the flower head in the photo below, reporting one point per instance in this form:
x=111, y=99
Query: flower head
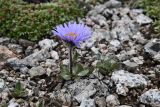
x=73, y=33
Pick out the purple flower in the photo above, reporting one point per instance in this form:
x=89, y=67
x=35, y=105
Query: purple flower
x=73, y=33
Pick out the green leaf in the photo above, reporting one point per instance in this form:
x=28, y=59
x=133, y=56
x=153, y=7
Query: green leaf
x=65, y=72
x=77, y=68
x=83, y=73
x=75, y=56
x=41, y=104
x=106, y=66
x=64, y=68
x=18, y=91
x=66, y=76
x=18, y=86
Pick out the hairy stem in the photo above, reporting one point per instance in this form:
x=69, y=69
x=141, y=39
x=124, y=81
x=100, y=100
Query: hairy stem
x=70, y=59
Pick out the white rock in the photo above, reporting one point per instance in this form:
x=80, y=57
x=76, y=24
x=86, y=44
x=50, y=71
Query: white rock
x=122, y=56
x=62, y=95
x=131, y=52
x=95, y=50
x=121, y=89
x=65, y=62
x=4, y=40
x=153, y=48
x=151, y=97
x=100, y=8
x=115, y=43
x=123, y=29
x=88, y=103
x=98, y=74
x=49, y=71
x=31, y=60
x=13, y=104
x=54, y=55
x=142, y=19
x=130, y=64
x=124, y=79
x=50, y=62
x=85, y=88
x=47, y=44
x=137, y=60
x=1, y=84
x=37, y=71
x=112, y=101
x=113, y=4
x=15, y=47
x=139, y=38
x=101, y=101
x=124, y=106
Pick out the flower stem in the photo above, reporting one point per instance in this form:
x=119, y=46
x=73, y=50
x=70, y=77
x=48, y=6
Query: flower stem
x=70, y=60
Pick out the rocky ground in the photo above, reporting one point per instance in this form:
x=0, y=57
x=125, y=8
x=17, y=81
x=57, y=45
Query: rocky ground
x=119, y=33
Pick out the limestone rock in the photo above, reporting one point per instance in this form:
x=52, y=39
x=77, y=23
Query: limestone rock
x=124, y=79
x=37, y=71
x=112, y=101
x=151, y=97
x=153, y=48
x=47, y=44
x=142, y=19
x=88, y=103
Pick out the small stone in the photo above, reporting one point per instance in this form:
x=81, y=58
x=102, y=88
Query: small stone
x=54, y=55
x=4, y=40
x=24, y=70
x=113, y=4
x=85, y=88
x=49, y=71
x=112, y=101
x=115, y=43
x=25, y=43
x=107, y=13
x=37, y=71
x=62, y=95
x=65, y=62
x=143, y=19
x=122, y=56
x=99, y=19
x=98, y=74
x=100, y=8
x=130, y=64
x=95, y=50
x=13, y=104
x=50, y=63
x=123, y=30
x=29, y=50
x=2, y=84
x=47, y=44
x=139, y=38
x=124, y=79
x=5, y=53
x=121, y=89
x=131, y=52
x=88, y=103
x=31, y=60
x=4, y=95
x=153, y=48
x=137, y=60
x=101, y=102
x=124, y=106
x=151, y=97
x=15, y=48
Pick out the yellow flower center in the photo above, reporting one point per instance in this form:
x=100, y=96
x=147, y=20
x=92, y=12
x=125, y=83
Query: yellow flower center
x=72, y=34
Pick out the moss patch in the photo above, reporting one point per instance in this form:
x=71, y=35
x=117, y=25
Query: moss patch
x=19, y=19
